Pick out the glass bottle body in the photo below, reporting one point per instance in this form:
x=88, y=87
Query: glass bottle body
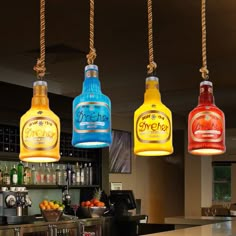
x=6, y=176
x=58, y=175
x=13, y=175
x=39, y=129
x=90, y=174
x=27, y=174
x=91, y=114
x=152, y=124
x=34, y=174
x=206, y=125
x=20, y=172
x=77, y=174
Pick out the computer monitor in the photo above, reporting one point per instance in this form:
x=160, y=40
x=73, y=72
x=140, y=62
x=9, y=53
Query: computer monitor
x=123, y=201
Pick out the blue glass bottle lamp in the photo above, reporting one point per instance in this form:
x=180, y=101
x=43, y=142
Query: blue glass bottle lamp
x=91, y=114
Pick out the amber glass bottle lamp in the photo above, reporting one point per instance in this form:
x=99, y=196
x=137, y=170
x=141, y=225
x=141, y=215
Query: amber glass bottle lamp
x=39, y=126
x=206, y=122
x=39, y=129
x=152, y=120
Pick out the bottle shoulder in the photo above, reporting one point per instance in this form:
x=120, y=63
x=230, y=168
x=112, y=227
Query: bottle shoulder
x=91, y=97
x=153, y=108
x=206, y=107
x=40, y=113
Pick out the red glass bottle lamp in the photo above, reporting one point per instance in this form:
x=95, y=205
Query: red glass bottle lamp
x=206, y=125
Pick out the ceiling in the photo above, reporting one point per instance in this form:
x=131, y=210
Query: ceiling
x=122, y=49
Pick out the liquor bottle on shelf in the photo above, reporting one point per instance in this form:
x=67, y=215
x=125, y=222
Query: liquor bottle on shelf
x=6, y=176
x=68, y=174
x=53, y=174
x=47, y=174
x=1, y=174
x=27, y=174
x=77, y=174
x=13, y=175
x=34, y=174
x=73, y=177
x=86, y=174
x=40, y=174
x=82, y=175
x=20, y=172
x=64, y=175
x=58, y=175
x=90, y=173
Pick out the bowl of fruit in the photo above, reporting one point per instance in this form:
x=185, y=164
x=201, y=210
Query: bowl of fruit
x=94, y=207
x=52, y=211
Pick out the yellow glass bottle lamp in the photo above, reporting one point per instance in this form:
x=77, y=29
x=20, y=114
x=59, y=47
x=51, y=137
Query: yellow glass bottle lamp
x=39, y=126
x=152, y=123
x=152, y=120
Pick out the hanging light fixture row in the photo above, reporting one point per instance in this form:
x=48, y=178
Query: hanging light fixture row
x=206, y=122
x=152, y=120
x=39, y=126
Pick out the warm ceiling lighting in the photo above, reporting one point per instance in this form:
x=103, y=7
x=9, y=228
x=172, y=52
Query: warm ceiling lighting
x=152, y=120
x=91, y=109
x=206, y=122
x=39, y=126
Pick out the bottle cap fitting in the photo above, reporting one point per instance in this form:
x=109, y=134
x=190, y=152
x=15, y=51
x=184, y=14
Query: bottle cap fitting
x=40, y=83
x=152, y=78
x=91, y=67
x=206, y=82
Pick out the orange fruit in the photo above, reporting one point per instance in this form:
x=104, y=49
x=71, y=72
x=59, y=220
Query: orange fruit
x=47, y=207
x=45, y=202
x=100, y=204
x=51, y=204
x=95, y=201
x=41, y=206
x=87, y=203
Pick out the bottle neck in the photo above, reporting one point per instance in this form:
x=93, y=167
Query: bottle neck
x=91, y=82
x=152, y=90
x=40, y=97
x=206, y=93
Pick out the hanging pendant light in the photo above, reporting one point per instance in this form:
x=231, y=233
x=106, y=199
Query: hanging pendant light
x=206, y=122
x=91, y=109
x=152, y=120
x=39, y=126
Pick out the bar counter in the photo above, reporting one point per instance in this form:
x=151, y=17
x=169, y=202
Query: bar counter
x=73, y=226
x=227, y=228
x=186, y=222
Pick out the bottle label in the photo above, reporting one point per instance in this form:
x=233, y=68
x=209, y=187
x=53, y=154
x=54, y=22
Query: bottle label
x=40, y=133
x=153, y=127
x=92, y=117
x=206, y=126
x=14, y=178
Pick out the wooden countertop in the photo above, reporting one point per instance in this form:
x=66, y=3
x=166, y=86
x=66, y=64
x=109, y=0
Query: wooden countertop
x=227, y=228
x=210, y=226
x=198, y=220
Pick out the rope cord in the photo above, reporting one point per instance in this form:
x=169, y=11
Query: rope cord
x=92, y=53
x=204, y=71
x=152, y=65
x=40, y=65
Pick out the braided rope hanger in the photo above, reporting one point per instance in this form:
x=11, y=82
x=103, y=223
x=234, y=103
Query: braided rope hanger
x=152, y=65
x=92, y=53
x=204, y=71
x=40, y=65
